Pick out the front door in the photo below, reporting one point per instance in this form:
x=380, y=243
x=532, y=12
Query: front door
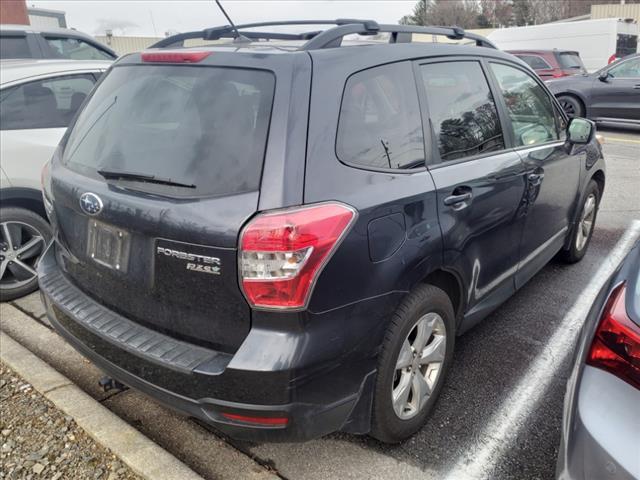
x=618, y=95
x=478, y=181
x=551, y=171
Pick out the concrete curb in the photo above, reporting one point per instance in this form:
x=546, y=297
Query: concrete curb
x=141, y=454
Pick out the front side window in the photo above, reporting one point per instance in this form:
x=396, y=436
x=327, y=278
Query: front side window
x=75, y=49
x=462, y=110
x=529, y=106
x=49, y=103
x=627, y=69
x=379, y=124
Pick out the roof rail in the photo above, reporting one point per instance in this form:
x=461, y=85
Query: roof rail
x=329, y=38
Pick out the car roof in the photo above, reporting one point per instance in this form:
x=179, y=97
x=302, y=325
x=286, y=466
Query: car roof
x=19, y=69
x=538, y=52
x=7, y=27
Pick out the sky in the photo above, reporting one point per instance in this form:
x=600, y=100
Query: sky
x=154, y=18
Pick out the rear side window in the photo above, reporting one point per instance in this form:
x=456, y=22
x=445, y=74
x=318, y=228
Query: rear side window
x=529, y=106
x=75, y=49
x=534, y=61
x=49, y=103
x=462, y=110
x=14, y=47
x=202, y=126
x=379, y=125
x=570, y=61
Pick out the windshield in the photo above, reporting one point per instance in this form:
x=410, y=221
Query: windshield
x=570, y=60
x=200, y=126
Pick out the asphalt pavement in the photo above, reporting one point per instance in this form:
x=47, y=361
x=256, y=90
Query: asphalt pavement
x=491, y=361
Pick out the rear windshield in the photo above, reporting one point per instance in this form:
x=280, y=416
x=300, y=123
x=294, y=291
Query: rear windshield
x=200, y=126
x=570, y=60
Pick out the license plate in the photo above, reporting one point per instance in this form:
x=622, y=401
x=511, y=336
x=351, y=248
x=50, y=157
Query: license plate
x=108, y=245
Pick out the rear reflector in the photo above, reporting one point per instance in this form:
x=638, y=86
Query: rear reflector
x=282, y=252
x=174, y=57
x=616, y=345
x=268, y=421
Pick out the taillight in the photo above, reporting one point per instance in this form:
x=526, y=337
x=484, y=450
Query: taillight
x=174, y=57
x=282, y=252
x=560, y=74
x=616, y=345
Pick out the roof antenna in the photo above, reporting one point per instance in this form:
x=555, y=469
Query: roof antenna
x=239, y=38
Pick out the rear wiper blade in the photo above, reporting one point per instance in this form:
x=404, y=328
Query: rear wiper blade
x=142, y=177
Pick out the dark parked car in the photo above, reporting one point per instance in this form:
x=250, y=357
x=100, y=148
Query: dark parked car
x=284, y=238
x=23, y=41
x=550, y=64
x=610, y=95
x=600, y=434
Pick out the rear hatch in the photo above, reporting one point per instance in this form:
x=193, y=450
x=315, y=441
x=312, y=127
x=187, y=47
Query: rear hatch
x=156, y=179
x=570, y=63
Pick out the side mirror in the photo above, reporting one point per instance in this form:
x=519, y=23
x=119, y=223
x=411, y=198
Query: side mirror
x=604, y=76
x=580, y=130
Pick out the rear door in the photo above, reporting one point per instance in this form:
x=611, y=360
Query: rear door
x=618, y=96
x=158, y=175
x=478, y=180
x=539, y=64
x=552, y=172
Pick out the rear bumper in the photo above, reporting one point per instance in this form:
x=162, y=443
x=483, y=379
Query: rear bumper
x=206, y=384
x=604, y=429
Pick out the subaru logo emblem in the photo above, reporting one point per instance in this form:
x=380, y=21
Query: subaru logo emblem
x=90, y=203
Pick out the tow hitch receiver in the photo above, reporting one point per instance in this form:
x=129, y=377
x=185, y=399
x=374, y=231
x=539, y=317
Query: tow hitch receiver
x=108, y=384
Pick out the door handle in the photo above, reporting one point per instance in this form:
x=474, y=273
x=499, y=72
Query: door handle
x=457, y=199
x=636, y=87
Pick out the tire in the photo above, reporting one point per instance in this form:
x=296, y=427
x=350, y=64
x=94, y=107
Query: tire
x=20, y=255
x=571, y=105
x=392, y=423
x=579, y=238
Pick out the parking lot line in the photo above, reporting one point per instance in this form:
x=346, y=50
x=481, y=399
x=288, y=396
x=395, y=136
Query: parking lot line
x=622, y=140
x=503, y=427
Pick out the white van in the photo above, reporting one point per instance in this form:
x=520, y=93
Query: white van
x=599, y=42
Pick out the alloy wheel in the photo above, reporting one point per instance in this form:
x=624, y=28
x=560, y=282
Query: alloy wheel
x=21, y=246
x=418, y=365
x=568, y=107
x=586, y=222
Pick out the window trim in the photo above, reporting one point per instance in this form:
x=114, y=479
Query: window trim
x=520, y=55
x=50, y=76
x=427, y=125
x=359, y=166
x=503, y=105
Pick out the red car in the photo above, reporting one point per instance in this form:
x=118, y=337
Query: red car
x=550, y=64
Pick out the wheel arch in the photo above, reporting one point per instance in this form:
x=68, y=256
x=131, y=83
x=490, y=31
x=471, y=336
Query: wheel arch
x=451, y=284
x=27, y=198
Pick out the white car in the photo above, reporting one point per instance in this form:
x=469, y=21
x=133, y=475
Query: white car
x=38, y=100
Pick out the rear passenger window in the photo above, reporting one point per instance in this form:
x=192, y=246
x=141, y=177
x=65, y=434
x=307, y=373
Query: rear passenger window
x=535, y=62
x=379, y=124
x=462, y=110
x=14, y=47
x=49, y=103
x=529, y=106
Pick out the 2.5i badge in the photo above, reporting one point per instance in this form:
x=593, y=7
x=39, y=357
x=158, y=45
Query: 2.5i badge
x=193, y=261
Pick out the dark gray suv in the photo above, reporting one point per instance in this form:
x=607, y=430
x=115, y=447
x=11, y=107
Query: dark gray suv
x=283, y=235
